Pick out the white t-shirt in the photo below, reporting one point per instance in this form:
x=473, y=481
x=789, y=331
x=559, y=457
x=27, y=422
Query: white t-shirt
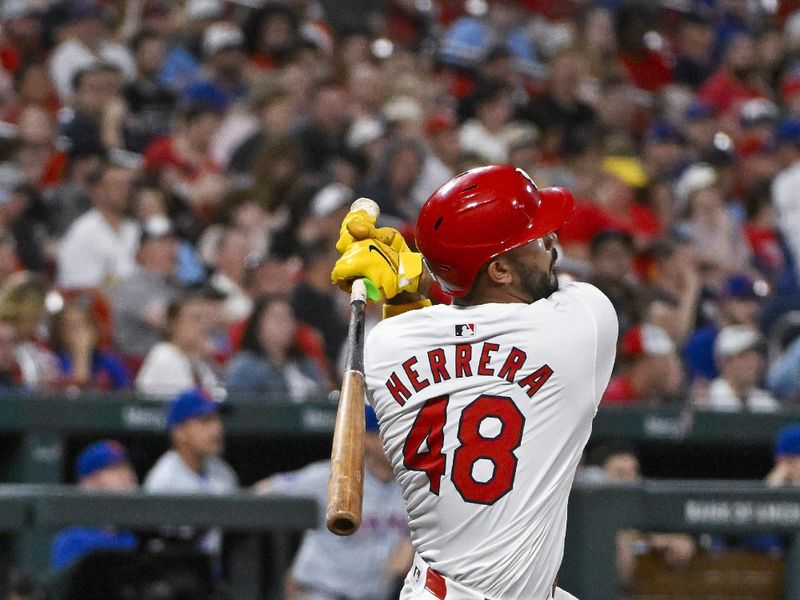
x=92, y=253
x=167, y=371
x=484, y=412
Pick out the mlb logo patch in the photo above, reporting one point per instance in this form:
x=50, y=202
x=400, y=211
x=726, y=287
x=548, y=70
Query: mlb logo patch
x=465, y=330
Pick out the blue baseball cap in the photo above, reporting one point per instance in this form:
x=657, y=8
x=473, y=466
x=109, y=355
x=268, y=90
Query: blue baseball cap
x=788, y=131
x=739, y=286
x=788, y=441
x=370, y=419
x=699, y=110
x=190, y=405
x=99, y=456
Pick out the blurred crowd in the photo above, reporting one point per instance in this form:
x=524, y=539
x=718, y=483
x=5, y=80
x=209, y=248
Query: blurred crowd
x=173, y=175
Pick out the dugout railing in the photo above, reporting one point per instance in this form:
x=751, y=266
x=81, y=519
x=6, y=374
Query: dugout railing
x=598, y=512
x=258, y=529
x=41, y=433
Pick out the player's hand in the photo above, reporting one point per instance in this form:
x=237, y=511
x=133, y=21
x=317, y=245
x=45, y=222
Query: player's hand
x=391, y=271
x=360, y=225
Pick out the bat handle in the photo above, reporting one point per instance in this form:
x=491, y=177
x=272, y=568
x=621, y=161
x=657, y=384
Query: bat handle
x=359, y=291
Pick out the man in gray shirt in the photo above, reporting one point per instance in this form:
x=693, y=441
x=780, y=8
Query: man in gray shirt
x=193, y=465
x=140, y=301
x=370, y=564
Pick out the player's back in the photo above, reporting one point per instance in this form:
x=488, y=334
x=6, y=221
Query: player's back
x=484, y=413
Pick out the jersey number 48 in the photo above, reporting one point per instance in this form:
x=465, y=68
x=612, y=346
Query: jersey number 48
x=422, y=450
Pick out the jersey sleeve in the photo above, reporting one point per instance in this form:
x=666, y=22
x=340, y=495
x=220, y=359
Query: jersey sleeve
x=606, y=328
x=311, y=480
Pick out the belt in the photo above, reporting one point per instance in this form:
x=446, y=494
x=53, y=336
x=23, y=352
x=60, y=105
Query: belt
x=424, y=577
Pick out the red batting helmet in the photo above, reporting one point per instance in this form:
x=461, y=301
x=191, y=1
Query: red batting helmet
x=480, y=214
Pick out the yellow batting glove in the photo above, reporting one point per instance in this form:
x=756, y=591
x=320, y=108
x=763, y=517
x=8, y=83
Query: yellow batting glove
x=391, y=271
x=364, y=221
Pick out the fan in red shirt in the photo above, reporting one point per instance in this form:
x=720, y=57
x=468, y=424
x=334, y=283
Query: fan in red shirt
x=614, y=206
x=651, y=369
x=182, y=162
x=737, y=79
x=647, y=68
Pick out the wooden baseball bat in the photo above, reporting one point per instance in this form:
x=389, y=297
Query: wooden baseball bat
x=346, y=483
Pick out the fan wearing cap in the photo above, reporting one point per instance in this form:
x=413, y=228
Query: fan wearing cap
x=102, y=466
x=738, y=352
x=737, y=304
x=371, y=562
x=651, y=371
x=486, y=404
x=717, y=239
x=223, y=48
x=193, y=465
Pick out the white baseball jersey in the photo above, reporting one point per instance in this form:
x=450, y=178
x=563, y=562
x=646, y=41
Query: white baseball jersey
x=484, y=412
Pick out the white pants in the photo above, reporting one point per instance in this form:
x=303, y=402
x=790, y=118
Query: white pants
x=414, y=587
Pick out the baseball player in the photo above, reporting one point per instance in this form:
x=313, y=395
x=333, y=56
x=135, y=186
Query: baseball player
x=484, y=406
x=366, y=565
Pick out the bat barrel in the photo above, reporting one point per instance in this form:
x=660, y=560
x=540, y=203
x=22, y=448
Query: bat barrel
x=345, y=486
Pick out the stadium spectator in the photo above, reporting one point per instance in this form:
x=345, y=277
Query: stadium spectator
x=737, y=78
x=442, y=156
x=375, y=558
x=230, y=263
x=83, y=365
x=86, y=41
x=275, y=109
x=95, y=124
x=648, y=68
x=182, y=164
x=9, y=262
x=222, y=82
x=471, y=38
x=323, y=135
x=787, y=205
x=674, y=288
x=738, y=353
x=486, y=134
x=22, y=302
x=11, y=376
x=193, y=465
x=101, y=466
x=737, y=304
x=270, y=362
x=181, y=361
x=151, y=104
x=314, y=302
x=717, y=239
x=140, y=301
x=611, y=255
x=784, y=373
x=99, y=248
x=651, y=372
x=693, y=52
